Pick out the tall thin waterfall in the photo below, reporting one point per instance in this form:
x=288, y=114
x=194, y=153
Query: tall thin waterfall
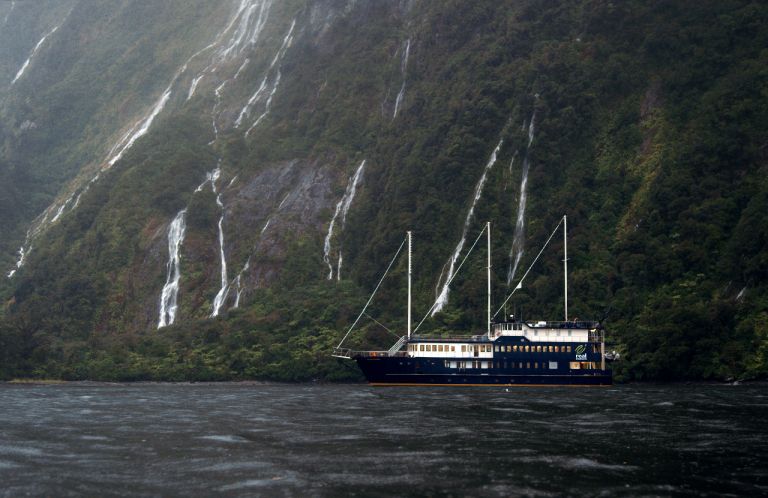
x=221, y=296
x=20, y=72
x=518, y=240
x=169, y=296
x=442, y=298
x=342, y=208
x=403, y=69
x=139, y=129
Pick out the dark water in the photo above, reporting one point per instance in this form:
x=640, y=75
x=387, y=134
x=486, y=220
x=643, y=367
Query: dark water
x=288, y=440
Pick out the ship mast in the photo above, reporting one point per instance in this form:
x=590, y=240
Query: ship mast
x=409, y=284
x=565, y=262
x=488, y=233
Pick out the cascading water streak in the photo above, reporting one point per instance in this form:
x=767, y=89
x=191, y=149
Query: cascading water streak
x=129, y=139
x=20, y=262
x=268, y=87
x=442, y=298
x=518, y=240
x=403, y=69
x=34, y=51
x=170, y=293
x=221, y=296
x=342, y=208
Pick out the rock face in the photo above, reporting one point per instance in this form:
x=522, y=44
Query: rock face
x=254, y=117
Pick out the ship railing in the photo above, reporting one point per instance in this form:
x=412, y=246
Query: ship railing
x=345, y=353
x=467, y=338
x=562, y=325
x=349, y=354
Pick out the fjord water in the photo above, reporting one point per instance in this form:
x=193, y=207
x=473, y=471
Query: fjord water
x=336, y=440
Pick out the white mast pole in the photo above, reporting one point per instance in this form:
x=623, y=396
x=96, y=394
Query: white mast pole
x=488, y=230
x=565, y=262
x=409, y=284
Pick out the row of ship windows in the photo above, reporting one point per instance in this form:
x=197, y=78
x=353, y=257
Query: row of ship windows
x=533, y=349
x=486, y=348
x=551, y=365
x=498, y=364
x=448, y=348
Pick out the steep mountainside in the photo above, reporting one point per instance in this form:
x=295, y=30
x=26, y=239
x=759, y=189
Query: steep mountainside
x=210, y=190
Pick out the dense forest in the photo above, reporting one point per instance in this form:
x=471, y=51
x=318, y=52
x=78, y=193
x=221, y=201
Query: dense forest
x=290, y=145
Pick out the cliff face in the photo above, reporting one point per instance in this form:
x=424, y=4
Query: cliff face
x=210, y=190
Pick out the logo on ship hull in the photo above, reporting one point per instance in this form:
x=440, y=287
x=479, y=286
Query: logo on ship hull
x=581, y=352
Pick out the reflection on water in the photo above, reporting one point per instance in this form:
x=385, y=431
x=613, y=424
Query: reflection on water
x=307, y=440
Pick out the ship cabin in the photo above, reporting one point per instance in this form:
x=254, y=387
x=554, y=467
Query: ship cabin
x=531, y=347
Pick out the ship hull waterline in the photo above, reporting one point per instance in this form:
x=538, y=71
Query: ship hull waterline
x=384, y=372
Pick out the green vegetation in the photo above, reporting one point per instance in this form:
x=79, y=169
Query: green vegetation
x=651, y=135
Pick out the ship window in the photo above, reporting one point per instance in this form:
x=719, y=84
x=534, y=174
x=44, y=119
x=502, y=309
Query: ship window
x=569, y=333
x=497, y=348
x=536, y=364
x=538, y=349
x=515, y=348
x=440, y=348
x=551, y=349
x=421, y=347
x=528, y=364
x=569, y=348
x=453, y=348
x=575, y=365
x=528, y=349
x=553, y=365
x=463, y=348
x=557, y=349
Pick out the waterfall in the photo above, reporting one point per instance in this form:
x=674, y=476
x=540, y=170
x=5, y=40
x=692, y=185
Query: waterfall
x=169, y=296
x=34, y=51
x=403, y=68
x=267, y=88
x=267, y=104
x=61, y=209
x=342, y=208
x=240, y=39
x=193, y=86
x=20, y=262
x=518, y=239
x=140, y=129
x=221, y=296
x=246, y=33
x=442, y=298
x=241, y=68
x=238, y=285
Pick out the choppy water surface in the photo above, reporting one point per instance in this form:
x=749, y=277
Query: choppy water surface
x=306, y=440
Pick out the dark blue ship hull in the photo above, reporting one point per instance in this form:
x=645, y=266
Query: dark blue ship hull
x=395, y=371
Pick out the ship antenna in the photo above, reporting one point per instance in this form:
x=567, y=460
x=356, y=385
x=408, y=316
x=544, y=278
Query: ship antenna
x=488, y=233
x=409, y=284
x=565, y=262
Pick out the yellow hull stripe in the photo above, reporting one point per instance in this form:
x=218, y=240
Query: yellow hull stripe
x=409, y=384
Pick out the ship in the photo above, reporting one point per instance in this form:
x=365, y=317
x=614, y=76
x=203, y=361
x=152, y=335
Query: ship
x=510, y=352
